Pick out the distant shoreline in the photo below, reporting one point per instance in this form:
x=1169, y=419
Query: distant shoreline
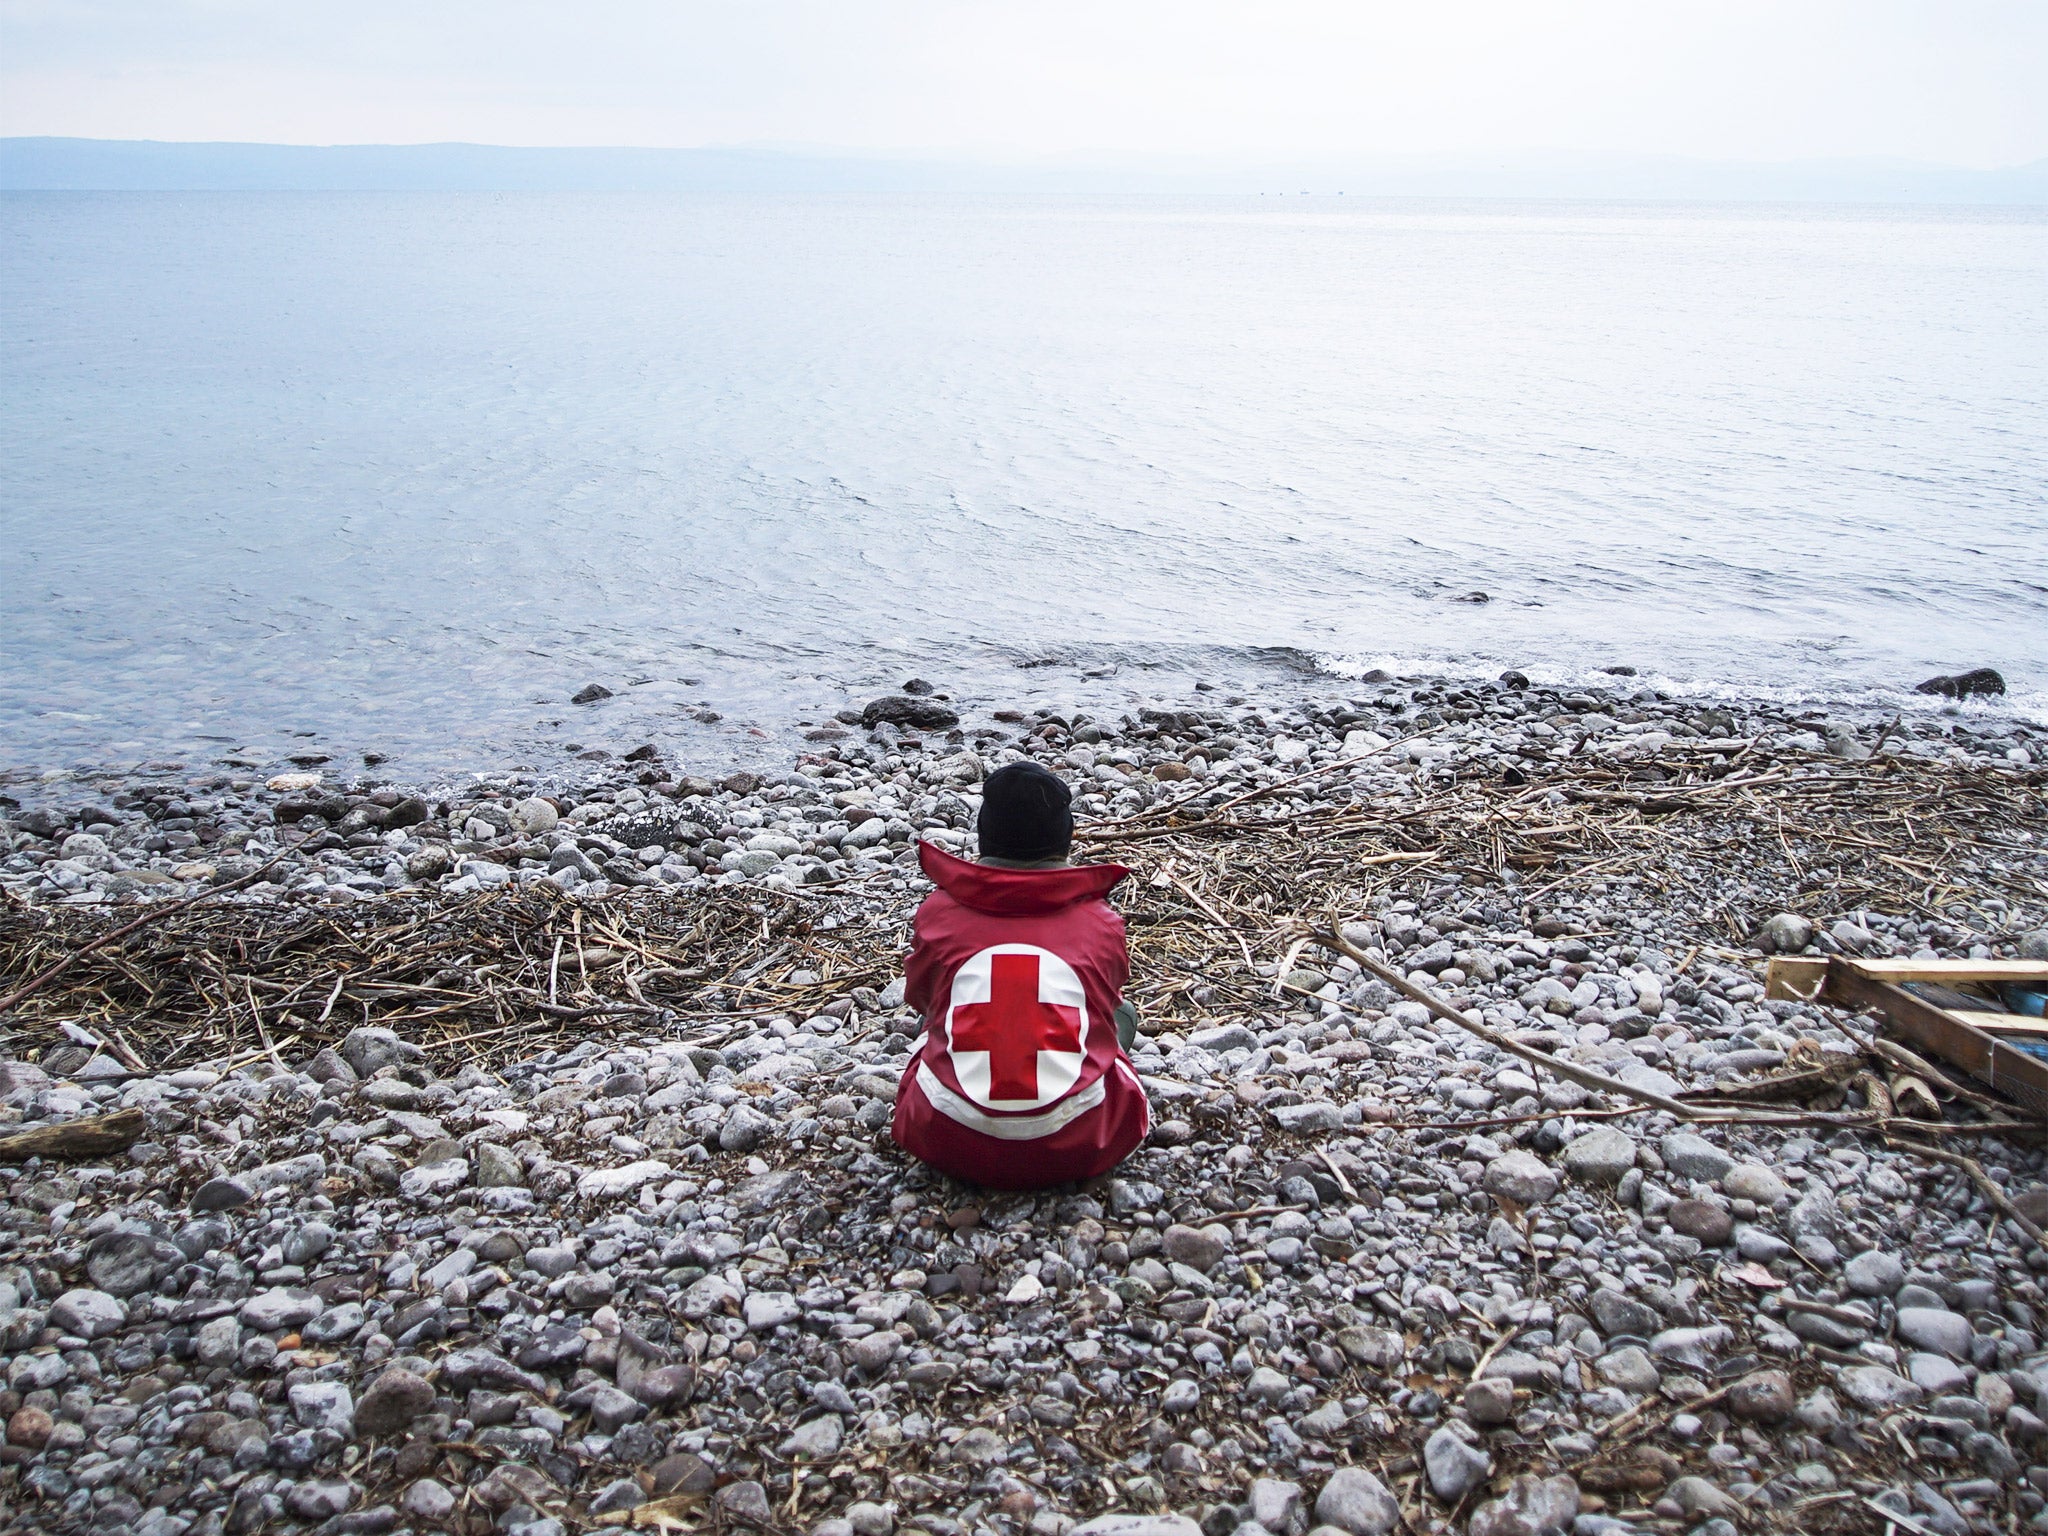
x=69, y=164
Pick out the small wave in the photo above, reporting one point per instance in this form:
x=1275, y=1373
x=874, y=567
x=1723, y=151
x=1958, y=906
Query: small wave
x=2026, y=705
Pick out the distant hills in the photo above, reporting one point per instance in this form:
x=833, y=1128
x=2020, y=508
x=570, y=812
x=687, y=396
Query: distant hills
x=51, y=164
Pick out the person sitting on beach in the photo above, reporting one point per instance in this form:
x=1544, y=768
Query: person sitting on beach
x=1018, y=964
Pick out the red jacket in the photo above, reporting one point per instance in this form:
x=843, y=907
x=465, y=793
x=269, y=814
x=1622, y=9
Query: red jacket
x=1019, y=1081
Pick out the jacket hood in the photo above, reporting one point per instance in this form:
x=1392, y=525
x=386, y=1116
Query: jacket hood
x=1016, y=892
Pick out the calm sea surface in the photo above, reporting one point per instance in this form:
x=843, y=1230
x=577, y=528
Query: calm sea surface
x=400, y=473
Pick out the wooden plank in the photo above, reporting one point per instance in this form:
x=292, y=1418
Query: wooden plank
x=2015, y=1074
x=2003, y=1023
x=1795, y=979
x=1950, y=971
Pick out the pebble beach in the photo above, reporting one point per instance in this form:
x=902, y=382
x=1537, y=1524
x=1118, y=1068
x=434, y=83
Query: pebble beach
x=518, y=1159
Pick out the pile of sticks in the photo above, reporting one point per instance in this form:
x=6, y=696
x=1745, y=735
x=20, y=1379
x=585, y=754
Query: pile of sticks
x=1708, y=854
x=497, y=976
x=1707, y=849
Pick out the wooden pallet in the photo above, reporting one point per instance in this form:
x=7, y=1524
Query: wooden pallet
x=1973, y=1040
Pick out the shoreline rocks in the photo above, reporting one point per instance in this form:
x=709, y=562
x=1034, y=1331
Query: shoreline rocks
x=1982, y=682
x=636, y=821
x=373, y=1284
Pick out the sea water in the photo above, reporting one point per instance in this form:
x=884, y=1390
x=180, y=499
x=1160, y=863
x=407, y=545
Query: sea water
x=400, y=473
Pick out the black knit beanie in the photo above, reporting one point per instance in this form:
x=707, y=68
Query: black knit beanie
x=1025, y=814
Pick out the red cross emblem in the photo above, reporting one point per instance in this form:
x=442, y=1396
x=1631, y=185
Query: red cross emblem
x=1016, y=1027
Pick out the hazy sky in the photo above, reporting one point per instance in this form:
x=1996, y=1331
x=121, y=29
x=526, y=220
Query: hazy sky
x=1950, y=80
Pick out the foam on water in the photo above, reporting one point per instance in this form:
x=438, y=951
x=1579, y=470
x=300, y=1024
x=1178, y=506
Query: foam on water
x=344, y=473
x=2028, y=705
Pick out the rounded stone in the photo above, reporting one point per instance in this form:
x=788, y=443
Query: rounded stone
x=1763, y=1398
x=1753, y=1181
x=1785, y=934
x=281, y=1308
x=1267, y=1385
x=1455, y=1467
x=88, y=1314
x=1874, y=1272
x=1599, y=1156
x=1691, y=1156
x=1489, y=1400
x=122, y=1263
x=222, y=1194
x=875, y=1351
x=1936, y=1329
x=497, y=1167
x=428, y=1500
x=534, y=816
x=1877, y=1390
x=1200, y=1248
x=816, y=1439
x=393, y=1401
x=1354, y=1500
x=684, y=1472
x=1630, y=1369
x=321, y=1498
x=1520, y=1177
x=1701, y=1219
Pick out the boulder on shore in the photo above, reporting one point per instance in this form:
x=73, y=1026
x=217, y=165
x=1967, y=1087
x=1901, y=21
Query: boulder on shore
x=902, y=710
x=1962, y=685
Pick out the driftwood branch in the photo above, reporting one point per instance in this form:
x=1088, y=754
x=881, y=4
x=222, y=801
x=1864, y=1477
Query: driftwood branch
x=1626, y=1428
x=94, y=1136
x=1984, y=1182
x=1585, y=1077
x=1919, y=1066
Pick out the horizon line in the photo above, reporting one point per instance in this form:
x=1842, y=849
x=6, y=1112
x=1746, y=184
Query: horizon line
x=48, y=162
x=1095, y=154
